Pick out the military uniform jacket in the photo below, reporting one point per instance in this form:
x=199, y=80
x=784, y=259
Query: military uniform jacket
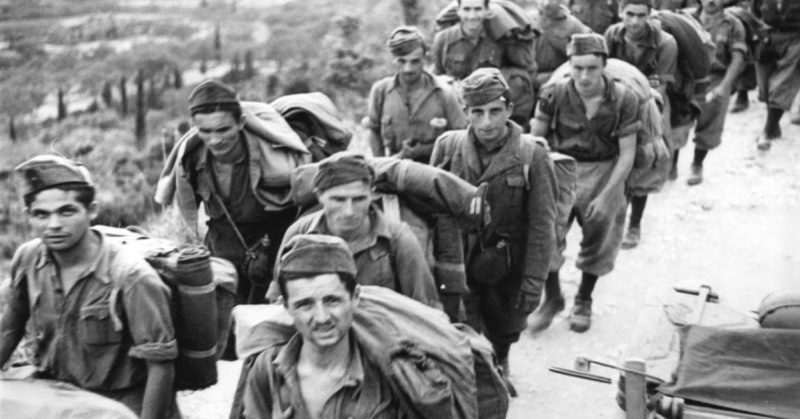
x=523, y=210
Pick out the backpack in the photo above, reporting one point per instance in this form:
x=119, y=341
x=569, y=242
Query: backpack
x=781, y=15
x=695, y=49
x=203, y=295
x=438, y=369
x=314, y=117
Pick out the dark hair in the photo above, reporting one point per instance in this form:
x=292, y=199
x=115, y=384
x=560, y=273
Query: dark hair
x=84, y=193
x=234, y=108
x=348, y=280
x=485, y=3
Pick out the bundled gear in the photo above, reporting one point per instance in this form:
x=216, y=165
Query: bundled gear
x=695, y=51
x=780, y=15
x=438, y=370
x=203, y=295
x=314, y=117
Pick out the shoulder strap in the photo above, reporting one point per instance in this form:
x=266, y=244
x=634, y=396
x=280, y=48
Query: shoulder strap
x=526, y=146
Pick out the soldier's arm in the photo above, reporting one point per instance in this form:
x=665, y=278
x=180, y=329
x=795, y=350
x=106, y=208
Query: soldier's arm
x=667, y=66
x=541, y=218
x=373, y=121
x=738, y=49
x=545, y=108
x=16, y=312
x=413, y=273
x=158, y=390
x=437, y=52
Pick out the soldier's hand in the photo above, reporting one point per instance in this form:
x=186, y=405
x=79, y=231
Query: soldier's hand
x=598, y=209
x=410, y=149
x=527, y=302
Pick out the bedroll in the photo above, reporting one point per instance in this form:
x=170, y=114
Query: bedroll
x=203, y=295
x=414, y=346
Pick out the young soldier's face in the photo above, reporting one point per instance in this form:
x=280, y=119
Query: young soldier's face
x=59, y=219
x=471, y=14
x=634, y=17
x=409, y=66
x=488, y=121
x=322, y=309
x=346, y=206
x=219, y=131
x=587, y=72
x=711, y=6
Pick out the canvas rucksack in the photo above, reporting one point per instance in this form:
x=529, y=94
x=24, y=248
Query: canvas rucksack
x=314, y=117
x=695, y=49
x=203, y=296
x=781, y=15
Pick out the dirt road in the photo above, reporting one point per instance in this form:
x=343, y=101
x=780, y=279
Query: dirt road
x=735, y=232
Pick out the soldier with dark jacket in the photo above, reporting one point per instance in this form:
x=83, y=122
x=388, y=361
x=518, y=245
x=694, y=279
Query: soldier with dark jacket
x=508, y=260
x=592, y=118
x=408, y=110
x=557, y=25
x=640, y=41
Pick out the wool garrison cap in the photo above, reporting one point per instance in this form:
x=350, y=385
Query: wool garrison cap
x=483, y=86
x=648, y=3
x=587, y=43
x=342, y=168
x=405, y=40
x=212, y=92
x=316, y=254
x=48, y=171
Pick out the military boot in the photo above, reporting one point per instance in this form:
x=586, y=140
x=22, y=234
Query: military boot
x=581, y=318
x=543, y=317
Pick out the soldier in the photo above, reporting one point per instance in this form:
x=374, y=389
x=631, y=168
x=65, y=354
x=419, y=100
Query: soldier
x=462, y=48
x=557, y=25
x=409, y=110
x=226, y=168
x=728, y=34
x=654, y=52
x=386, y=252
x=777, y=63
x=592, y=118
x=99, y=316
x=508, y=261
x=596, y=14
x=322, y=371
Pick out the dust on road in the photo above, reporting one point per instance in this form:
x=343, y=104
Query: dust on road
x=735, y=232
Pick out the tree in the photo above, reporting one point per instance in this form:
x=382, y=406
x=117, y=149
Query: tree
x=123, y=96
x=153, y=94
x=411, y=11
x=249, y=70
x=217, y=42
x=12, y=130
x=141, y=112
x=62, y=107
x=203, y=64
x=106, y=94
x=177, y=78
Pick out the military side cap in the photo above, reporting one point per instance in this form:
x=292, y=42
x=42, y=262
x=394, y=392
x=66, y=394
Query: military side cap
x=483, y=86
x=48, y=171
x=648, y=3
x=212, y=92
x=587, y=43
x=316, y=254
x=405, y=40
x=343, y=168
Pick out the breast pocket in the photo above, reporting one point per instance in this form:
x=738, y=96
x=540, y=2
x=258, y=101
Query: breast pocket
x=569, y=127
x=97, y=327
x=388, y=136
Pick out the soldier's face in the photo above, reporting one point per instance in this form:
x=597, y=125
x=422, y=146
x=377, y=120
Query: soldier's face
x=346, y=207
x=711, y=6
x=219, y=131
x=409, y=66
x=471, y=13
x=488, y=122
x=321, y=308
x=587, y=72
x=634, y=17
x=59, y=219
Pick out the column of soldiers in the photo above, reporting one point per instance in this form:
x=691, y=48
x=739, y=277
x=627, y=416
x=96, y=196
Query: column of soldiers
x=314, y=264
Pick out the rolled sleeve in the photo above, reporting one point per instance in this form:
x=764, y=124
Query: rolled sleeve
x=147, y=309
x=668, y=60
x=546, y=106
x=738, y=38
x=629, y=112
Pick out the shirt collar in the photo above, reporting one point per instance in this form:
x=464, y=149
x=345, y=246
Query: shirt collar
x=99, y=266
x=428, y=82
x=286, y=361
